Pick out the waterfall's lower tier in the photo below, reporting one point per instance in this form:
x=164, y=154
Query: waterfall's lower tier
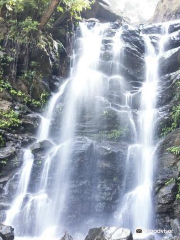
x=93, y=162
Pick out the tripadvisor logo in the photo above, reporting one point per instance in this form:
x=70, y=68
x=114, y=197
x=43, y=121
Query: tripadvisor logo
x=147, y=231
x=139, y=230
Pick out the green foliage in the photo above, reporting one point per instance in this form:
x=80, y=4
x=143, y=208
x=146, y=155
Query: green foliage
x=9, y=119
x=28, y=25
x=166, y=130
x=115, y=134
x=75, y=6
x=178, y=194
x=4, y=162
x=178, y=184
x=174, y=150
x=175, y=113
x=170, y=181
x=2, y=141
x=26, y=99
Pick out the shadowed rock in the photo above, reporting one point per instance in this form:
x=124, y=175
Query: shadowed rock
x=6, y=232
x=109, y=233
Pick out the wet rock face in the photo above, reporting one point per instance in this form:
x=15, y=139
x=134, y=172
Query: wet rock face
x=103, y=11
x=6, y=232
x=96, y=182
x=170, y=61
x=109, y=233
x=167, y=167
x=164, y=12
x=166, y=180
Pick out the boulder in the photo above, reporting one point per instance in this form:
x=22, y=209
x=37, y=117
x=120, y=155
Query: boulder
x=109, y=233
x=104, y=12
x=41, y=146
x=166, y=195
x=6, y=232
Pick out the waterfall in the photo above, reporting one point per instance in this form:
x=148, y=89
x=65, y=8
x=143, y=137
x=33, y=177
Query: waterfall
x=77, y=133
x=137, y=209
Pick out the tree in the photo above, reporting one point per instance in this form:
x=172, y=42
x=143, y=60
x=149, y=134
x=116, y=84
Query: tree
x=72, y=8
x=48, y=13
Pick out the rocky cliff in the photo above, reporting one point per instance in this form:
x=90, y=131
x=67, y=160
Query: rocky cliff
x=166, y=10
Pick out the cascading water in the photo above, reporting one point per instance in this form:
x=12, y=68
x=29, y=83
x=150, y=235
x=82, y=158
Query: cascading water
x=76, y=119
x=137, y=209
x=36, y=213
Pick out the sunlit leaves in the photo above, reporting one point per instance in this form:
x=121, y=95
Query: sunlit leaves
x=76, y=6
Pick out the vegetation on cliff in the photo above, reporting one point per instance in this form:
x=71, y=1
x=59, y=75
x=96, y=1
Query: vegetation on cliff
x=33, y=37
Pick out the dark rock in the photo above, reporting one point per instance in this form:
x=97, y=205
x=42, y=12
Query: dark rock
x=175, y=225
x=41, y=146
x=106, y=12
x=55, y=83
x=169, y=62
x=20, y=139
x=7, y=152
x=109, y=233
x=6, y=232
x=31, y=122
x=151, y=29
x=2, y=216
x=133, y=37
x=102, y=10
x=166, y=195
x=163, y=221
x=4, y=206
x=167, y=88
x=176, y=208
x=174, y=27
x=165, y=185
x=173, y=41
x=167, y=165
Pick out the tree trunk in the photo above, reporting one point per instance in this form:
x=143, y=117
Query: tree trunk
x=61, y=19
x=48, y=13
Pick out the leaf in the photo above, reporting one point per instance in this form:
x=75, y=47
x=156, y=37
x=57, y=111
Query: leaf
x=60, y=9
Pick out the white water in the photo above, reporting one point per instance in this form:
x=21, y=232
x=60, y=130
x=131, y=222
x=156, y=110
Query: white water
x=22, y=191
x=137, y=209
x=40, y=213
